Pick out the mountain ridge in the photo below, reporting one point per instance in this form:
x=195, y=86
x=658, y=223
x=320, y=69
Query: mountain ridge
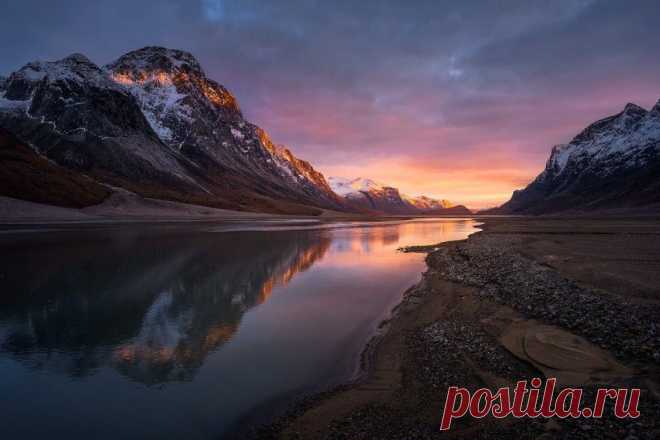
x=151, y=122
x=367, y=194
x=614, y=163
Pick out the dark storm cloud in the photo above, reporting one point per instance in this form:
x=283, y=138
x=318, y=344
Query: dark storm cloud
x=440, y=85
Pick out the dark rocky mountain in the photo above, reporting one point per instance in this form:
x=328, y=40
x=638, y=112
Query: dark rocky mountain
x=153, y=123
x=28, y=175
x=367, y=195
x=614, y=164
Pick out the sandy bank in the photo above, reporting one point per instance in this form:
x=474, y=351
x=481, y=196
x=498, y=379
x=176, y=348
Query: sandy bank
x=122, y=206
x=126, y=207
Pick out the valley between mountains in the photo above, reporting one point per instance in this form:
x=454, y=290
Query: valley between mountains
x=150, y=135
x=152, y=129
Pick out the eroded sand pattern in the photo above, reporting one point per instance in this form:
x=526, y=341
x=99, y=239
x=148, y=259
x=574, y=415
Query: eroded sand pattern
x=557, y=353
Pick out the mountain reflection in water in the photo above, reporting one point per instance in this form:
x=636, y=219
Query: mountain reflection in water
x=152, y=310
x=190, y=331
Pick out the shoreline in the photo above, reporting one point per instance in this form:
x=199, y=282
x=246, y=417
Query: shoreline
x=301, y=402
x=459, y=327
x=128, y=208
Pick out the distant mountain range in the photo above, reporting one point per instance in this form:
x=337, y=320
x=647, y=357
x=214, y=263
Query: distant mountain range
x=368, y=195
x=612, y=165
x=153, y=123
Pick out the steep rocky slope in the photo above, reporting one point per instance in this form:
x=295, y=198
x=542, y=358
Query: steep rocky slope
x=29, y=176
x=612, y=164
x=153, y=123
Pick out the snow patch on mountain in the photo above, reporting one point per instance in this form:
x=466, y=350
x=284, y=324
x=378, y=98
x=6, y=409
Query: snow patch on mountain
x=159, y=99
x=353, y=187
x=237, y=134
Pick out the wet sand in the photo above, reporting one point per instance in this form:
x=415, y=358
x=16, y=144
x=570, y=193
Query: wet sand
x=575, y=299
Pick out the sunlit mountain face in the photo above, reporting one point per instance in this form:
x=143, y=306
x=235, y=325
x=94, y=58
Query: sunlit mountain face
x=153, y=123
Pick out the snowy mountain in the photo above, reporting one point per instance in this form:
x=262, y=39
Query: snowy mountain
x=368, y=195
x=153, y=123
x=353, y=187
x=428, y=204
x=612, y=164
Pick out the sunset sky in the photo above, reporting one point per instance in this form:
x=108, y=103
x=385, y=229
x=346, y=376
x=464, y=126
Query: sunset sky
x=459, y=100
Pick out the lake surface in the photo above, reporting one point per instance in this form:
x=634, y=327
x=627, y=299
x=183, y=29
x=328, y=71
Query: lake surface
x=190, y=331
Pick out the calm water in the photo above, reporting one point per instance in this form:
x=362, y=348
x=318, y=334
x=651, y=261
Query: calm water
x=196, y=331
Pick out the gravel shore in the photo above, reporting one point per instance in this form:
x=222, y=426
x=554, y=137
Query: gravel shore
x=522, y=299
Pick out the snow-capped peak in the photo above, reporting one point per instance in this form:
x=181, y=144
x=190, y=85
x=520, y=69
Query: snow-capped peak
x=154, y=67
x=75, y=68
x=618, y=135
x=345, y=187
x=369, y=194
x=158, y=58
x=157, y=104
x=172, y=90
x=610, y=150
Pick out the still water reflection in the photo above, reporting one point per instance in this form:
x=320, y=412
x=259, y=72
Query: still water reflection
x=196, y=331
